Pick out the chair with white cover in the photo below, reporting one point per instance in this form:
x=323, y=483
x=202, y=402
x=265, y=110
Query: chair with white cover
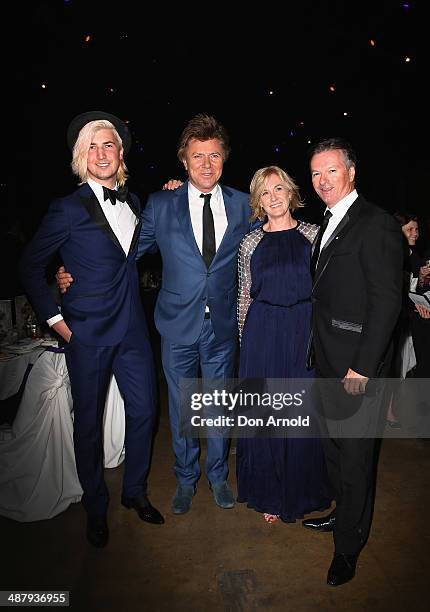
x=38, y=477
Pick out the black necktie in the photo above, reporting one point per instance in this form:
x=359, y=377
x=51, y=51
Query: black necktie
x=316, y=251
x=208, y=250
x=114, y=195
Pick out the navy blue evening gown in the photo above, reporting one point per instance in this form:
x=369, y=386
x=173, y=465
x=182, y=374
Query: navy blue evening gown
x=282, y=476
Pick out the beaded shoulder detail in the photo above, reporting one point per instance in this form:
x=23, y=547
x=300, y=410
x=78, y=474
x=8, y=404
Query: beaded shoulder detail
x=309, y=230
x=246, y=249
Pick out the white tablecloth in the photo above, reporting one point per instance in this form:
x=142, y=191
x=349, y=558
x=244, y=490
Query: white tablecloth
x=38, y=477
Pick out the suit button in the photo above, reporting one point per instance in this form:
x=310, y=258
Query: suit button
x=313, y=300
x=204, y=298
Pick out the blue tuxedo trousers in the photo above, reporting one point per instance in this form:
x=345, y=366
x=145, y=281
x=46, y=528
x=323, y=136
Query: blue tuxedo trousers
x=90, y=368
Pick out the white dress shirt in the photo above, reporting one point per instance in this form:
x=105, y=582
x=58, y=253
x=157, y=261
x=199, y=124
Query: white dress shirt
x=196, y=214
x=338, y=212
x=121, y=219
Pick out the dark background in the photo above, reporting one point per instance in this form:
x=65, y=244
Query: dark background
x=157, y=70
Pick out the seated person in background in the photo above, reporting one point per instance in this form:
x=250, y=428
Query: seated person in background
x=420, y=321
x=408, y=222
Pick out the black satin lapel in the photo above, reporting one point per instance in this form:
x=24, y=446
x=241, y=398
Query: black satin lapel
x=183, y=212
x=136, y=210
x=336, y=232
x=327, y=252
x=135, y=239
x=133, y=205
x=314, y=243
x=98, y=217
x=344, y=226
x=322, y=264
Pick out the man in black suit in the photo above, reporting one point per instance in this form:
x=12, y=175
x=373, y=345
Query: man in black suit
x=357, y=268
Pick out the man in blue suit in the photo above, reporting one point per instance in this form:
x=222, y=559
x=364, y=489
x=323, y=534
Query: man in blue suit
x=96, y=231
x=198, y=229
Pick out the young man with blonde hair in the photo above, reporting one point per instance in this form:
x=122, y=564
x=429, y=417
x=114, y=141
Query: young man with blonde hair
x=96, y=231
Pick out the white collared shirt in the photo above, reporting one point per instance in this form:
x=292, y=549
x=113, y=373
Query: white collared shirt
x=121, y=219
x=196, y=214
x=338, y=212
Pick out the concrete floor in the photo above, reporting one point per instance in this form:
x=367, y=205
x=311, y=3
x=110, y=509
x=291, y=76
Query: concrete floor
x=228, y=560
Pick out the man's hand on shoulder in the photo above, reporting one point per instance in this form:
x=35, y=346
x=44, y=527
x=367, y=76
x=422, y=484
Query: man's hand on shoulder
x=64, y=279
x=354, y=383
x=172, y=184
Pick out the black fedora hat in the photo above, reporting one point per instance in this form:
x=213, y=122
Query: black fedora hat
x=80, y=120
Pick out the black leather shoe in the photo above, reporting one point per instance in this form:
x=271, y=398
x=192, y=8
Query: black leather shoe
x=143, y=508
x=97, y=531
x=325, y=523
x=342, y=569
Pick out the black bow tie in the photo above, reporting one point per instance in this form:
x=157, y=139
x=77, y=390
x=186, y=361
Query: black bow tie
x=114, y=195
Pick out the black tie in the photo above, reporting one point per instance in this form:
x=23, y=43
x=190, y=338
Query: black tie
x=316, y=251
x=208, y=230
x=114, y=195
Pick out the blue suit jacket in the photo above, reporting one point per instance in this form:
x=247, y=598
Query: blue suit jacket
x=187, y=285
x=105, y=293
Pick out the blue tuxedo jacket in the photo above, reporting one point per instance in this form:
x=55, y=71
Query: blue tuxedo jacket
x=105, y=293
x=187, y=285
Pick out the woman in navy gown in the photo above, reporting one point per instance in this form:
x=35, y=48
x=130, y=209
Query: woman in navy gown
x=280, y=477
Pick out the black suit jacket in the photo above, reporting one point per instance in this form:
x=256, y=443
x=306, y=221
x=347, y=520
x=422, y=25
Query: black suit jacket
x=357, y=293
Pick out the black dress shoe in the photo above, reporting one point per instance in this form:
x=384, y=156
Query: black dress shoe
x=97, y=531
x=143, y=508
x=342, y=569
x=325, y=523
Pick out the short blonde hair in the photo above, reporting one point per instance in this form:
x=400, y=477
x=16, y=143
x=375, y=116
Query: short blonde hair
x=82, y=146
x=257, y=187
